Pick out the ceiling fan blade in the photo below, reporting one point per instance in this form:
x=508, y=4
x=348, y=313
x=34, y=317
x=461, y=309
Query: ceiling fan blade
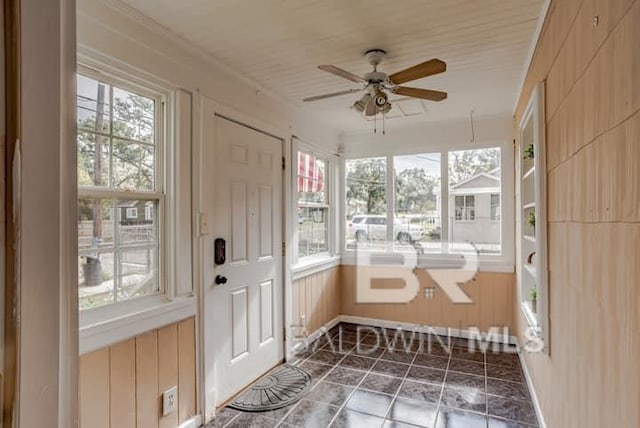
x=334, y=94
x=427, y=68
x=342, y=73
x=426, y=94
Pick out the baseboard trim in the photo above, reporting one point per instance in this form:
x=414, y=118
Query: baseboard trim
x=532, y=390
x=443, y=331
x=328, y=326
x=194, y=422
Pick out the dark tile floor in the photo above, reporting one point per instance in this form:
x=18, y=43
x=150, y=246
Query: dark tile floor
x=387, y=379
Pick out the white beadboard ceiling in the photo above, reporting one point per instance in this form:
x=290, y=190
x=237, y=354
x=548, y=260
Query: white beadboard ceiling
x=279, y=43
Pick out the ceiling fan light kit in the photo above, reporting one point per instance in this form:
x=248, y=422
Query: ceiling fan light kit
x=378, y=84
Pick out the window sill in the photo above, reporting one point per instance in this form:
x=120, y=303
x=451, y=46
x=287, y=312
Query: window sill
x=154, y=314
x=314, y=265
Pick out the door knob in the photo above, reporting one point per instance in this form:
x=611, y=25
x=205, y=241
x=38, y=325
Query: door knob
x=220, y=279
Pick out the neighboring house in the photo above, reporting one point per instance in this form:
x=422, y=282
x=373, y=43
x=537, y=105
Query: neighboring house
x=136, y=212
x=474, y=205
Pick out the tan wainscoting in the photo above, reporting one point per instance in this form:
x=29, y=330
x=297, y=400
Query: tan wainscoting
x=491, y=293
x=591, y=377
x=121, y=385
x=316, y=298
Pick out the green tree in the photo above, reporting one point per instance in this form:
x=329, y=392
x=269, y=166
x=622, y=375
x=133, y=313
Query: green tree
x=414, y=191
x=124, y=161
x=365, y=186
x=467, y=163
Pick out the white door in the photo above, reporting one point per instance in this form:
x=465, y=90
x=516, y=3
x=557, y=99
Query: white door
x=247, y=310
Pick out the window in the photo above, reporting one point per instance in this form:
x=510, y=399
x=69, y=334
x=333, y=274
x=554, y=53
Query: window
x=465, y=208
x=474, y=181
x=495, y=207
x=423, y=216
x=132, y=213
x=148, y=212
x=313, y=206
x=366, y=204
x=417, y=201
x=119, y=176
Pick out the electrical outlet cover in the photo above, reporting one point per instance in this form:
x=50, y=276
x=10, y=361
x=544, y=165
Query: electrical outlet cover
x=169, y=400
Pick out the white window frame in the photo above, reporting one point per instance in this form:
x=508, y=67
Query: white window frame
x=108, y=324
x=498, y=212
x=504, y=262
x=302, y=266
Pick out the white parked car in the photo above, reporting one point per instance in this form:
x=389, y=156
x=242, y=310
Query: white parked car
x=368, y=227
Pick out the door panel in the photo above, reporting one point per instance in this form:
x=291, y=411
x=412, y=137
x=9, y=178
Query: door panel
x=243, y=317
x=266, y=222
x=239, y=222
x=240, y=325
x=266, y=311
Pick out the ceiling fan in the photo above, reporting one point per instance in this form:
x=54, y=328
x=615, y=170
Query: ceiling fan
x=377, y=84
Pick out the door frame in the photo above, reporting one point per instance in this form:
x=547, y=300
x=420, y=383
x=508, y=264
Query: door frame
x=203, y=222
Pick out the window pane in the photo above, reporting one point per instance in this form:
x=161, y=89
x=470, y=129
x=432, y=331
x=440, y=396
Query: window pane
x=366, y=181
x=474, y=184
x=313, y=231
x=133, y=116
x=133, y=166
x=95, y=224
x=93, y=159
x=134, y=228
x=118, y=252
x=417, y=202
x=95, y=251
x=313, y=210
x=311, y=179
x=92, y=104
x=137, y=272
x=95, y=279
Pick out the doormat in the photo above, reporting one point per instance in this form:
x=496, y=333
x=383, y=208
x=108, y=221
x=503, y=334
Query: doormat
x=282, y=386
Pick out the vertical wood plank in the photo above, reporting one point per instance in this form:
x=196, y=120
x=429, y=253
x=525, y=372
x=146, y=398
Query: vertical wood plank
x=123, y=384
x=186, y=369
x=147, y=401
x=94, y=389
x=168, y=368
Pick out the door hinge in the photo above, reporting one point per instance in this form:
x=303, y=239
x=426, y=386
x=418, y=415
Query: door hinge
x=284, y=163
x=284, y=248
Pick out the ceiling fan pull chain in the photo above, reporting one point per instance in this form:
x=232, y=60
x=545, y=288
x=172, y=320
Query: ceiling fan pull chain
x=375, y=130
x=384, y=131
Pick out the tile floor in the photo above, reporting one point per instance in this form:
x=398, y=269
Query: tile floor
x=370, y=377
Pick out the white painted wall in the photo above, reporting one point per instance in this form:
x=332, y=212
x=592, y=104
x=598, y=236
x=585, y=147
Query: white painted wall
x=426, y=136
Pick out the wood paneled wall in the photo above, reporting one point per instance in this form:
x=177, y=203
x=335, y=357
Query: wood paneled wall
x=592, y=70
x=317, y=298
x=491, y=293
x=121, y=386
